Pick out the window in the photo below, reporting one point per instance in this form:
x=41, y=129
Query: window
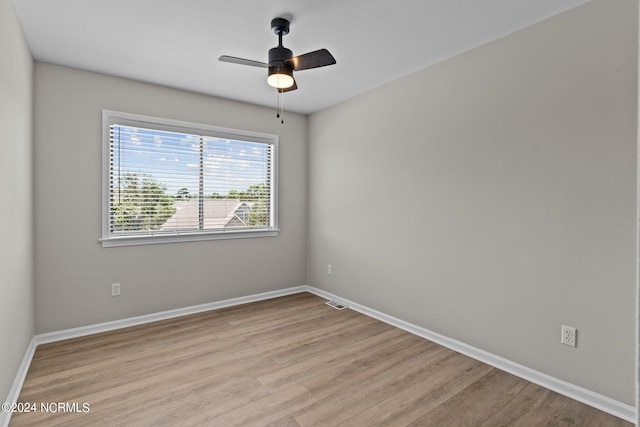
x=167, y=181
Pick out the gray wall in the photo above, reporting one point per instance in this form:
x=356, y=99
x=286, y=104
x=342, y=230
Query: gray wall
x=16, y=238
x=492, y=197
x=74, y=273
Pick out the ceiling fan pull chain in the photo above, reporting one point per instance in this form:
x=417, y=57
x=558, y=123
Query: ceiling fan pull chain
x=280, y=111
x=279, y=104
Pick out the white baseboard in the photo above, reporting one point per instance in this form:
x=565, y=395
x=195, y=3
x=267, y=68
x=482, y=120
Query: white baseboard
x=163, y=315
x=16, y=387
x=588, y=397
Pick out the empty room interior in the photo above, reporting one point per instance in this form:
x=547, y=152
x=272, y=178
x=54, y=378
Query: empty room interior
x=186, y=186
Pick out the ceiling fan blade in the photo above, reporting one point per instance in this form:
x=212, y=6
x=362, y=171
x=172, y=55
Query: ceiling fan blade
x=315, y=59
x=242, y=61
x=290, y=88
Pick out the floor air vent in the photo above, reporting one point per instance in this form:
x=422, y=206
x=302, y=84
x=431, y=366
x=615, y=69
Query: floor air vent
x=336, y=305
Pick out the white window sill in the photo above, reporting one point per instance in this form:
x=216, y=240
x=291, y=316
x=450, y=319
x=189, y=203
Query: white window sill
x=185, y=237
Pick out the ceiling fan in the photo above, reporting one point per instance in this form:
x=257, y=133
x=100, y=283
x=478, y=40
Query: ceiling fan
x=282, y=63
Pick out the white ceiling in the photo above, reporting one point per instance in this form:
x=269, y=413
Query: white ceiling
x=177, y=43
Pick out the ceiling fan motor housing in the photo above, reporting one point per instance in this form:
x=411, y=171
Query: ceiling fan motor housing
x=278, y=55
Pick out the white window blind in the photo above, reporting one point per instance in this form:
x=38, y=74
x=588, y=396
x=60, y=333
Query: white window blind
x=168, y=180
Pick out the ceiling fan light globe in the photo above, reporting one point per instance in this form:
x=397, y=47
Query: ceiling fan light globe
x=280, y=81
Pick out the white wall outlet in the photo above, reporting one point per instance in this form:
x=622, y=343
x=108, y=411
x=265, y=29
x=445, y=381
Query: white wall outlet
x=115, y=289
x=328, y=268
x=569, y=335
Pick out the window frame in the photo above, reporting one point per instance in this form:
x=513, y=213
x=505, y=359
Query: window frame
x=110, y=117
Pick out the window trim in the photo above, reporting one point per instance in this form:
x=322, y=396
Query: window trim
x=110, y=117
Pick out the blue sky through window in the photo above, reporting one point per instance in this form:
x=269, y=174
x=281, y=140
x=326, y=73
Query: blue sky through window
x=173, y=160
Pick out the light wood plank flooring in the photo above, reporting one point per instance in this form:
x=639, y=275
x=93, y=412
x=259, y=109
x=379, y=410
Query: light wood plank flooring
x=290, y=361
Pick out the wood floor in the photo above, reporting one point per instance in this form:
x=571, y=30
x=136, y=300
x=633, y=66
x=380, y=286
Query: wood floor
x=290, y=361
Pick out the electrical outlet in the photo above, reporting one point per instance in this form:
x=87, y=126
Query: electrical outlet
x=569, y=335
x=115, y=289
x=328, y=268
